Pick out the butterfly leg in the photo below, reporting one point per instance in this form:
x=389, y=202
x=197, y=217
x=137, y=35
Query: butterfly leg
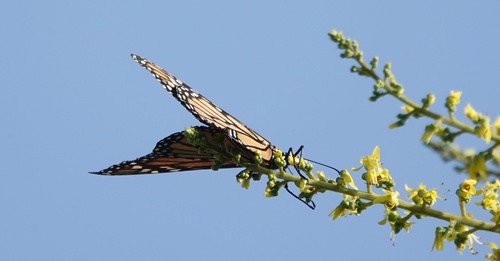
x=311, y=204
x=295, y=164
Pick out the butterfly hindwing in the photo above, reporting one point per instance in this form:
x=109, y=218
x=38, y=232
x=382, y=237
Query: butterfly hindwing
x=172, y=154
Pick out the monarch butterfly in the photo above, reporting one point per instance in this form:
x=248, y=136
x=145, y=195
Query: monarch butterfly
x=171, y=154
x=178, y=154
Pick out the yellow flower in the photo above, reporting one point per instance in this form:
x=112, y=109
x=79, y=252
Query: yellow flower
x=496, y=217
x=347, y=179
x=372, y=165
x=371, y=177
x=483, y=130
x=466, y=190
x=401, y=224
x=493, y=185
x=373, y=161
x=390, y=199
x=385, y=179
x=414, y=192
x=453, y=100
x=477, y=168
x=449, y=233
x=496, y=252
x=396, y=221
x=438, y=239
x=340, y=210
x=468, y=186
x=454, y=97
x=490, y=200
x=465, y=239
x=472, y=114
x=421, y=195
x=430, y=197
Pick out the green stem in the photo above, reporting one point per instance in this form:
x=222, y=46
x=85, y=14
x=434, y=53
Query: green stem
x=462, y=208
x=421, y=210
x=405, y=219
x=449, y=121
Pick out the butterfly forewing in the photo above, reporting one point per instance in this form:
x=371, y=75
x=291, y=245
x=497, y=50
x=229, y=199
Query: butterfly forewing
x=208, y=113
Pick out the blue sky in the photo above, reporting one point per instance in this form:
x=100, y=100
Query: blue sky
x=74, y=101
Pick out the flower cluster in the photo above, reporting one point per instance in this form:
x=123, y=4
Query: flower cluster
x=375, y=175
x=422, y=195
x=490, y=200
x=440, y=135
x=482, y=129
x=458, y=234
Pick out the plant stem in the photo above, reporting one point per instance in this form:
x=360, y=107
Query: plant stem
x=421, y=210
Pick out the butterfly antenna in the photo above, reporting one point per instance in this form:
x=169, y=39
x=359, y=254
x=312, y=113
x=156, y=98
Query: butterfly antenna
x=324, y=165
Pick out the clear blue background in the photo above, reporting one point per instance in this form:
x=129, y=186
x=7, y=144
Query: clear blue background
x=73, y=101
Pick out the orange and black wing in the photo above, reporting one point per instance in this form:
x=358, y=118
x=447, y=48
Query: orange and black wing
x=172, y=154
x=208, y=113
